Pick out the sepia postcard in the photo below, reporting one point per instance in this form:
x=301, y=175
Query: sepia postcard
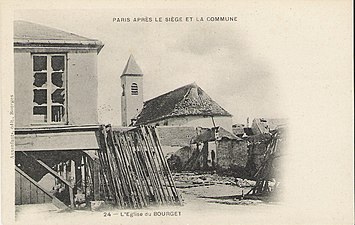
x=177, y=112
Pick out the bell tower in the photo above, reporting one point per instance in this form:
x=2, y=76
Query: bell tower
x=132, y=91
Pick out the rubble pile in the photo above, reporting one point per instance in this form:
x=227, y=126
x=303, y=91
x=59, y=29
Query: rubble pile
x=187, y=180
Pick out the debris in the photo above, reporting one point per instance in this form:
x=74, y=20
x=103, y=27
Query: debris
x=266, y=172
x=244, y=182
x=236, y=201
x=96, y=205
x=135, y=173
x=186, y=180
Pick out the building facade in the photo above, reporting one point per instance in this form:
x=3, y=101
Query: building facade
x=55, y=76
x=57, y=130
x=185, y=106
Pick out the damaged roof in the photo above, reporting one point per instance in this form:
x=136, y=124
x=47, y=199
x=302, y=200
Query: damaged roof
x=189, y=100
x=27, y=33
x=265, y=125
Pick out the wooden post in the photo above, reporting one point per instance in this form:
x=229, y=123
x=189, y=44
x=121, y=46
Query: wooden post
x=156, y=163
x=152, y=175
x=96, y=184
x=164, y=163
x=137, y=168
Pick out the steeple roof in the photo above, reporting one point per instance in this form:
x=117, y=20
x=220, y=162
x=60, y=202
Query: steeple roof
x=132, y=67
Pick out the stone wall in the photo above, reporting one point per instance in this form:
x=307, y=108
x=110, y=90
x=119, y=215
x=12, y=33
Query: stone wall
x=231, y=153
x=175, y=135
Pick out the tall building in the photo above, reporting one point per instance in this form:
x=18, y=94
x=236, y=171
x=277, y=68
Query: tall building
x=132, y=91
x=57, y=130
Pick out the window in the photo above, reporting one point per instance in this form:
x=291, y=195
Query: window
x=49, y=92
x=134, y=89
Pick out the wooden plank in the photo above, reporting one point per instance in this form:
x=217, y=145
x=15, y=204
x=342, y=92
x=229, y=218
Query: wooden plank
x=96, y=183
x=17, y=188
x=62, y=128
x=159, y=167
x=136, y=167
x=55, y=174
x=56, y=141
x=151, y=161
x=154, y=133
x=33, y=194
x=58, y=203
x=26, y=191
x=48, y=197
x=135, y=181
x=41, y=196
x=71, y=196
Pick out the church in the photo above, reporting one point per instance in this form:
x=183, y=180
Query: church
x=191, y=126
x=187, y=106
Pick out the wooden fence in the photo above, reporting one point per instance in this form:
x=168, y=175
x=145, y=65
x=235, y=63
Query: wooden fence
x=135, y=173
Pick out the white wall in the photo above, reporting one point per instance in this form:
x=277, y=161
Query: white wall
x=198, y=121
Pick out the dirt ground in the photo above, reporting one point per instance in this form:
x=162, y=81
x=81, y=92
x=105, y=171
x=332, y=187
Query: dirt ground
x=203, y=201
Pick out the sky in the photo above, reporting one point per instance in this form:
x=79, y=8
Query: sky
x=233, y=62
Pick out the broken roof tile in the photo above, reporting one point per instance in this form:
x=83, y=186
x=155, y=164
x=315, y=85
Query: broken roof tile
x=189, y=100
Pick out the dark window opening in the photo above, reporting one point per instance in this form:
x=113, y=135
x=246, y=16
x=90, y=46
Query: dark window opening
x=40, y=79
x=49, y=96
x=40, y=96
x=57, y=63
x=39, y=63
x=57, y=113
x=134, y=89
x=58, y=96
x=57, y=79
x=40, y=113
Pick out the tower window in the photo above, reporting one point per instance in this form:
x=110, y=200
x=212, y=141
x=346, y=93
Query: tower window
x=134, y=89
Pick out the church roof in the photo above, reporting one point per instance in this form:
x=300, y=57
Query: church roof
x=132, y=67
x=27, y=33
x=189, y=100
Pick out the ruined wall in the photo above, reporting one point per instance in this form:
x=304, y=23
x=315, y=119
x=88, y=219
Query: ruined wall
x=231, y=153
x=257, y=148
x=175, y=135
x=81, y=88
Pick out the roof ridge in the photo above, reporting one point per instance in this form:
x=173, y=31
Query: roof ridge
x=188, y=91
x=190, y=86
x=203, y=96
x=166, y=93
